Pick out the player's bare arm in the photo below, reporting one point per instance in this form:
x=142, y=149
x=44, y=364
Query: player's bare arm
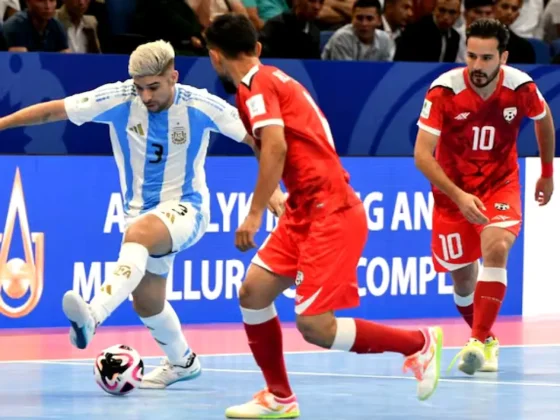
x=271, y=165
x=546, y=138
x=424, y=159
x=36, y=114
x=277, y=202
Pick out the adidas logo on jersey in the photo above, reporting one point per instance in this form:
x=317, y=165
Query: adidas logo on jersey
x=137, y=129
x=462, y=116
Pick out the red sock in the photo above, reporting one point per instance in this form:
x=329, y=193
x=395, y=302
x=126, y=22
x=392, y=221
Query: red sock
x=377, y=338
x=467, y=312
x=488, y=296
x=265, y=340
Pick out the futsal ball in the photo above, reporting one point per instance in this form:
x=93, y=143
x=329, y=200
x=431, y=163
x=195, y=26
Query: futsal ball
x=118, y=369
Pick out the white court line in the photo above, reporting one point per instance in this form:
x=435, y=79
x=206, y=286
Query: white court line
x=353, y=376
x=89, y=359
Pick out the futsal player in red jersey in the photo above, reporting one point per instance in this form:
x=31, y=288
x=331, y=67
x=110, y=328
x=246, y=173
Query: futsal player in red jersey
x=471, y=118
x=319, y=239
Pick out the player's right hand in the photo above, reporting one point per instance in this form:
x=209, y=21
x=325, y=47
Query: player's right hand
x=472, y=208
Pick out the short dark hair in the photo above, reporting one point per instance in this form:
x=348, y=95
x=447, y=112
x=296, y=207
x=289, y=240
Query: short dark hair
x=367, y=3
x=233, y=34
x=487, y=29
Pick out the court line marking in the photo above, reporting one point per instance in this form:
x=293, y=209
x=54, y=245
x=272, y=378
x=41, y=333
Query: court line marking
x=355, y=376
x=89, y=359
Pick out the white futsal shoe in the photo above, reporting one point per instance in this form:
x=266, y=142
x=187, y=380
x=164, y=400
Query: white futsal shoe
x=167, y=374
x=81, y=319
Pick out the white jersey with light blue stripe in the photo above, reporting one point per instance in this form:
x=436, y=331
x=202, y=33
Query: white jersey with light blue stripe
x=160, y=156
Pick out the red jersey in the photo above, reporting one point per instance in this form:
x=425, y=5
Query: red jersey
x=477, y=147
x=313, y=174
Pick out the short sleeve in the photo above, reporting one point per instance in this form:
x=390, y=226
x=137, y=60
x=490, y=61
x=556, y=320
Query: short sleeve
x=431, y=116
x=250, y=3
x=99, y=105
x=532, y=101
x=260, y=104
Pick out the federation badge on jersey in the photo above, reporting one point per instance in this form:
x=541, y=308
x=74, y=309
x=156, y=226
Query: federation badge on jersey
x=426, y=109
x=510, y=113
x=256, y=106
x=178, y=135
x=501, y=206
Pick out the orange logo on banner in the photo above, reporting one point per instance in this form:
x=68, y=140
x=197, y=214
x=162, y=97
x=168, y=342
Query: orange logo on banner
x=18, y=276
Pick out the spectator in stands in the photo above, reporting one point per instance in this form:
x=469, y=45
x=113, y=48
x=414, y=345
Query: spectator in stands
x=520, y=51
x=260, y=11
x=8, y=8
x=173, y=21
x=360, y=40
x=474, y=10
x=396, y=15
x=432, y=38
x=81, y=29
x=208, y=10
x=293, y=34
x=335, y=14
x=36, y=29
x=527, y=25
x=551, y=21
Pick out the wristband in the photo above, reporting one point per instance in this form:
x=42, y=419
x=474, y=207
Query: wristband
x=547, y=170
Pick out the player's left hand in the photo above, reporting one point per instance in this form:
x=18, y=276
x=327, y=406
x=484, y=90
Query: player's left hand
x=277, y=203
x=543, y=190
x=245, y=234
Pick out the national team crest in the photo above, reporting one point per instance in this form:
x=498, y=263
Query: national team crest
x=178, y=135
x=501, y=206
x=510, y=113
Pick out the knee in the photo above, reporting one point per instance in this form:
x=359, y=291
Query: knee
x=138, y=232
x=250, y=298
x=464, y=279
x=496, y=252
x=320, y=330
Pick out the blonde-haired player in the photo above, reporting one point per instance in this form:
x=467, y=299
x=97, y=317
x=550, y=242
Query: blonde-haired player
x=159, y=132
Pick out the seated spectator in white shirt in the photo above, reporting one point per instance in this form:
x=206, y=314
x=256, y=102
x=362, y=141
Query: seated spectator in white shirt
x=80, y=28
x=8, y=8
x=360, y=40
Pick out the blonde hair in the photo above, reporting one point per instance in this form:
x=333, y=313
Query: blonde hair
x=151, y=59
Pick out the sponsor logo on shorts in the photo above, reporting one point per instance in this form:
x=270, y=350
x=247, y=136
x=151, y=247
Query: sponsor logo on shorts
x=22, y=275
x=501, y=206
x=299, y=278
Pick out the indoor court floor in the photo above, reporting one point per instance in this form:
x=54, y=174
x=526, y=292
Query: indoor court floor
x=43, y=377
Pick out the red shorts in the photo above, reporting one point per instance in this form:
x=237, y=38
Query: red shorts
x=321, y=256
x=456, y=241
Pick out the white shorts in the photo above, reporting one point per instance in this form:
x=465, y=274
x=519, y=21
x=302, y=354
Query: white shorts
x=186, y=226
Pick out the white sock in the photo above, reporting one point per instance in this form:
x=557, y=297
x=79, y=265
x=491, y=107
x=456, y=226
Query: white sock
x=131, y=267
x=165, y=327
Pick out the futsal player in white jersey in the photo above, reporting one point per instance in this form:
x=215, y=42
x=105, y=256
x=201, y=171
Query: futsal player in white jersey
x=159, y=132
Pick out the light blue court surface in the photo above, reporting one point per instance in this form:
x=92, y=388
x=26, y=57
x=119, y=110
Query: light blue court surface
x=330, y=385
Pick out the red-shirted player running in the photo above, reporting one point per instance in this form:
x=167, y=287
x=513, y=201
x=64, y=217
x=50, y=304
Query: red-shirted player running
x=471, y=118
x=319, y=239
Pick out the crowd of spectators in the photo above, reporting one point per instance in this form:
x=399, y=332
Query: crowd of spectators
x=358, y=30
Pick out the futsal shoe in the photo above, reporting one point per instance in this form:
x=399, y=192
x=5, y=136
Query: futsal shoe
x=426, y=364
x=81, y=319
x=472, y=357
x=491, y=353
x=167, y=374
x=265, y=405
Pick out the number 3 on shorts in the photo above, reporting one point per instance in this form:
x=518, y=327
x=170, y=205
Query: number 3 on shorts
x=451, y=246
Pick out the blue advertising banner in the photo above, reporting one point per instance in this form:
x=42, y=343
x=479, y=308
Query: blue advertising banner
x=64, y=219
x=372, y=107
